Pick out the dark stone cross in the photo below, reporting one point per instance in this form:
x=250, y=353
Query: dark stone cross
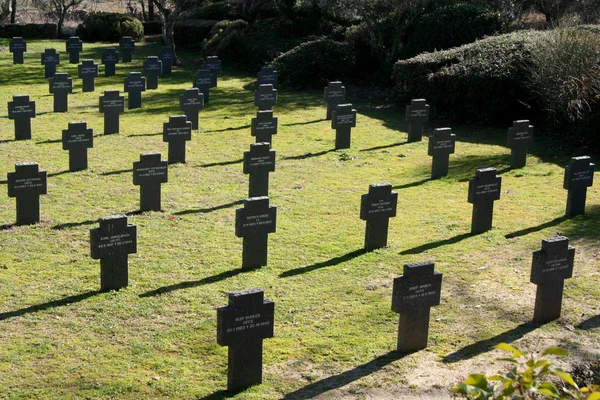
x=550, y=266
x=441, y=145
x=417, y=113
x=110, y=58
x=176, y=132
x=254, y=222
x=74, y=46
x=579, y=175
x=343, y=120
x=127, y=46
x=334, y=94
x=202, y=81
x=77, y=139
x=414, y=293
x=149, y=173
x=111, y=104
x=265, y=97
x=377, y=207
x=258, y=162
x=152, y=69
x=484, y=189
x=134, y=84
x=213, y=65
x=191, y=102
x=242, y=325
x=27, y=183
x=60, y=86
x=111, y=243
x=167, y=56
x=267, y=76
x=21, y=109
x=17, y=46
x=519, y=137
x=50, y=58
x=88, y=72
x=264, y=126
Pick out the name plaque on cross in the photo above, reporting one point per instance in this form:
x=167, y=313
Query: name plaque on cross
x=60, y=86
x=150, y=173
x=111, y=105
x=88, y=72
x=202, y=81
x=264, y=126
x=441, y=145
x=343, y=119
x=77, y=139
x=110, y=58
x=176, y=132
x=152, y=69
x=579, y=175
x=17, y=46
x=21, y=110
x=127, y=47
x=27, y=183
x=134, y=84
x=377, y=207
x=519, y=138
x=213, y=65
x=417, y=114
x=265, y=97
x=484, y=189
x=267, y=76
x=50, y=58
x=191, y=102
x=253, y=223
x=258, y=163
x=334, y=94
x=74, y=46
x=167, y=57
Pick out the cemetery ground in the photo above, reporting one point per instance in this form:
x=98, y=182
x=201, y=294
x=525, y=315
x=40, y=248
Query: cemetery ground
x=335, y=333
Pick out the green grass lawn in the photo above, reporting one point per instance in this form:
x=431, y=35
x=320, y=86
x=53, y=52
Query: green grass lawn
x=334, y=328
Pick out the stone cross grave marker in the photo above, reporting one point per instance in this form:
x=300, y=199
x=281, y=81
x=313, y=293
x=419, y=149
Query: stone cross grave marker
x=17, y=46
x=110, y=58
x=21, y=110
x=267, y=76
x=242, y=325
x=152, y=69
x=50, y=58
x=149, y=173
x=191, y=102
x=414, y=293
x=441, y=145
x=202, y=81
x=111, y=105
x=167, y=56
x=579, y=175
x=127, y=47
x=334, y=94
x=265, y=97
x=134, y=84
x=519, y=138
x=74, y=46
x=343, y=119
x=213, y=65
x=27, y=183
x=484, y=189
x=77, y=139
x=176, y=132
x=377, y=207
x=264, y=126
x=550, y=266
x=88, y=72
x=60, y=86
x=111, y=243
x=417, y=114
x=258, y=163
x=253, y=223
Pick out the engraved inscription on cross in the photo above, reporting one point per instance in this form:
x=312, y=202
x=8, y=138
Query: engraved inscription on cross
x=110, y=58
x=191, y=102
x=417, y=113
x=50, y=58
x=111, y=104
x=213, y=65
x=202, y=81
x=27, y=183
x=258, y=163
x=77, y=139
x=88, y=72
x=441, y=145
x=150, y=173
x=134, y=84
x=484, y=189
x=242, y=325
x=253, y=223
x=334, y=94
x=176, y=132
x=167, y=56
x=152, y=69
x=17, y=46
x=127, y=46
x=60, y=86
x=21, y=109
x=343, y=119
x=414, y=293
x=264, y=126
x=74, y=46
x=579, y=175
x=377, y=207
x=550, y=266
x=267, y=76
x=111, y=243
x=519, y=138
x=265, y=97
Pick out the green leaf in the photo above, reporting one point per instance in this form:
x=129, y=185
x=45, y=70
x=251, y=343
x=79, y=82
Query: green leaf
x=548, y=389
x=556, y=351
x=511, y=360
x=477, y=380
x=504, y=346
x=565, y=377
x=594, y=396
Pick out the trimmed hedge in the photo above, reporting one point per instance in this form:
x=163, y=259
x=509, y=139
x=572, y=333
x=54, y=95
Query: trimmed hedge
x=29, y=31
x=192, y=32
x=313, y=64
x=110, y=27
x=218, y=11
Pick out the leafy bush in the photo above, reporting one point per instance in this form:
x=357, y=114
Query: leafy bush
x=29, y=31
x=110, y=27
x=152, y=27
x=222, y=34
x=314, y=63
x=218, y=11
x=192, y=32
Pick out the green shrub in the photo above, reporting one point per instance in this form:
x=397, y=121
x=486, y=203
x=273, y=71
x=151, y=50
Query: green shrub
x=314, y=63
x=29, y=31
x=192, y=32
x=110, y=27
x=152, y=27
x=222, y=35
x=218, y=11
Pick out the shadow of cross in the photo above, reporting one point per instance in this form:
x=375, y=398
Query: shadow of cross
x=152, y=68
x=550, y=266
x=258, y=163
x=21, y=110
x=60, y=85
x=242, y=325
x=484, y=189
x=111, y=105
x=343, y=119
x=77, y=139
x=519, y=137
x=414, y=293
x=110, y=58
x=264, y=126
x=50, y=58
x=74, y=46
x=27, y=183
x=127, y=47
x=441, y=145
x=333, y=94
x=265, y=97
x=253, y=223
x=267, y=76
x=88, y=72
x=579, y=175
x=176, y=132
x=191, y=102
x=149, y=173
x=17, y=46
x=377, y=207
x=417, y=114
x=111, y=243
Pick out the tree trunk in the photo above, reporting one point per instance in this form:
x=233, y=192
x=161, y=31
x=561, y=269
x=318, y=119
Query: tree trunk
x=151, y=10
x=144, y=14
x=13, y=11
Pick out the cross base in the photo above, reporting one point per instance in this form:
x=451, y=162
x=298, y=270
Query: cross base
x=342, y=138
x=254, y=253
x=481, y=220
x=78, y=159
x=113, y=273
x=110, y=69
x=50, y=70
x=548, y=302
x=415, y=132
x=439, y=166
x=28, y=210
x=150, y=197
x=244, y=364
x=111, y=123
x=376, y=233
x=134, y=100
x=413, y=330
x=74, y=57
x=127, y=57
x=177, y=152
x=258, y=185
x=89, y=84
x=152, y=82
x=18, y=58
x=264, y=138
x=576, y=202
x=61, y=102
x=22, y=128
x=192, y=116
x=518, y=157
